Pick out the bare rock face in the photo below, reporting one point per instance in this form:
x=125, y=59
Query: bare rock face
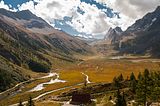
x=113, y=34
x=143, y=36
x=146, y=22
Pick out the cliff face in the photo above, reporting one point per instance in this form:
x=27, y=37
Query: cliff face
x=113, y=35
x=143, y=36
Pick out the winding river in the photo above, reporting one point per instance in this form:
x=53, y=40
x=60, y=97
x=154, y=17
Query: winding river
x=87, y=78
x=40, y=86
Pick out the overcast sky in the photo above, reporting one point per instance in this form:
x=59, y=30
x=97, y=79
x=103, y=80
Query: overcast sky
x=92, y=17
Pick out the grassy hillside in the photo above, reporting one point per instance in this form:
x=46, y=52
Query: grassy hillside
x=30, y=50
x=9, y=74
x=14, y=54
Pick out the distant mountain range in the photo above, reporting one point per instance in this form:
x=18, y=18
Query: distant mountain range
x=143, y=37
x=25, y=40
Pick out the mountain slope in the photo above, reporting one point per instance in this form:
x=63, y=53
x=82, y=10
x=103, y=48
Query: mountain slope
x=143, y=36
x=26, y=42
x=113, y=35
x=45, y=35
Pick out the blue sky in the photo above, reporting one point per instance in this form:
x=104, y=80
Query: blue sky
x=15, y=3
x=109, y=12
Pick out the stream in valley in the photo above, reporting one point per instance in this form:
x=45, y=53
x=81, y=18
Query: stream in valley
x=41, y=86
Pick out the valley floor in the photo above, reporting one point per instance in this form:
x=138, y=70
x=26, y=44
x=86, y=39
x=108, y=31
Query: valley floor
x=93, y=70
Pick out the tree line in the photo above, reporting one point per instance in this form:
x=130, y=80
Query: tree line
x=145, y=88
x=30, y=102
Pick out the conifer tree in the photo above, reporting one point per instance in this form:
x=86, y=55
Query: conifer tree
x=143, y=87
x=20, y=103
x=139, y=76
x=116, y=83
x=132, y=77
x=30, y=102
x=140, y=91
x=133, y=82
x=155, y=91
x=120, y=78
x=124, y=103
x=120, y=99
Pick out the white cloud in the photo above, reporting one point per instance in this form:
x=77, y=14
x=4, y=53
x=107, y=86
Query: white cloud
x=3, y=5
x=28, y=5
x=131, y=10
x=94, y=21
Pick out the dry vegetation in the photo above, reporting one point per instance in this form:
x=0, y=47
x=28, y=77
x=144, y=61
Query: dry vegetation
x=98, y=69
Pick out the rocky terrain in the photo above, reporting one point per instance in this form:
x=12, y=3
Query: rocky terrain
x=141, y=38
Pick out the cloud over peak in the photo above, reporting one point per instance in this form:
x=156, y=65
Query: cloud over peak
x=90, y=17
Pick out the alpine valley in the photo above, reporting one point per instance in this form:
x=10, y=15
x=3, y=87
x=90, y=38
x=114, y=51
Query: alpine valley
x=44, y=66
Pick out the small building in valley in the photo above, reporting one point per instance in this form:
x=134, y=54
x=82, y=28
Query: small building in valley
x=80, y=98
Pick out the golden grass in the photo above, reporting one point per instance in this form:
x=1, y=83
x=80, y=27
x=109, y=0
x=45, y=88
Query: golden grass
x=98, y=69
x=15, y=99
x=47, y=103
x=25, y=94
x=46, y=97
x=35, y=83
x=103, y=70
x=72, y=78
x=106, y=71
